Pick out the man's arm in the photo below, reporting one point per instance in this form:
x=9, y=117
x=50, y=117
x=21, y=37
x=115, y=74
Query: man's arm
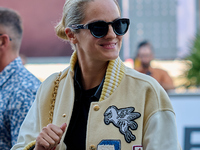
x=167, y=82
x=5, y=139
x=19, y=109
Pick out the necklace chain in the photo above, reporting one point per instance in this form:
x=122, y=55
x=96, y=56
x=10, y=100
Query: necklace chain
x=54, y=94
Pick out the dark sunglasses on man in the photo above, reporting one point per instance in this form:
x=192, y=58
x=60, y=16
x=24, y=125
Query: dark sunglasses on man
x=100, y=28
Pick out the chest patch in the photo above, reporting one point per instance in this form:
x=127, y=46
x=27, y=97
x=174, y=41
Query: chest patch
x=136, y=147
x=109, y=145
x=123, y=119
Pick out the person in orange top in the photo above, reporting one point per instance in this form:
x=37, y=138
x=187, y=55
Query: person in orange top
x=145, y=56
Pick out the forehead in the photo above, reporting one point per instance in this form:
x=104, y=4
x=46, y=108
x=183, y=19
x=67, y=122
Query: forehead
x=106, y=10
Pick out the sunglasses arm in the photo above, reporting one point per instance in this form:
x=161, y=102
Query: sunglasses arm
x=78, y=26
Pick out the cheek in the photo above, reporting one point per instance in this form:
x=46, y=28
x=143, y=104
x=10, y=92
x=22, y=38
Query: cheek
x=86, y=42
x=120, y=40
x=86, y=37
x=85, y=34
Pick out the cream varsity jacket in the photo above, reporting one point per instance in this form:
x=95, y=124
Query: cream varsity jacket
x=133, y=113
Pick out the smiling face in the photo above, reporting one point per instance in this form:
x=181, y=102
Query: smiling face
x=91, y=49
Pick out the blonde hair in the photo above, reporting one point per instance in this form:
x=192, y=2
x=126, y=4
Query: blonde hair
x=73, y=13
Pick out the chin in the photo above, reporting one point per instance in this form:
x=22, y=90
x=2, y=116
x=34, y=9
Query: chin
x=114, y=54
x=113, y=57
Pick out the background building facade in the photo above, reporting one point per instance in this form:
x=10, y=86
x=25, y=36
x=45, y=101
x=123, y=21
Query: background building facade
x=170, y=25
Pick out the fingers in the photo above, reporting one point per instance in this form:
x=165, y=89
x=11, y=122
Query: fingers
x=41, y=143
x=53, y=131
x=63, y=127
x=50, y=136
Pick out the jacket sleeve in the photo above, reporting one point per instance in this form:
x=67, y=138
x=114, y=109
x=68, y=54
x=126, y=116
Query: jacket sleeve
x=160, y=132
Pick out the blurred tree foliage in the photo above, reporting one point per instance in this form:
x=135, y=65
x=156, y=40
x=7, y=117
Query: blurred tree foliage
x=193, y=73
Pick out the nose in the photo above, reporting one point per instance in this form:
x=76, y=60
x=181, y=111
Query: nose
x=111, y=33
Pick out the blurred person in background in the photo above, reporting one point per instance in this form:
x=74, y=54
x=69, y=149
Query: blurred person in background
x=145, y=56
x=97, y=102
x=17, y=85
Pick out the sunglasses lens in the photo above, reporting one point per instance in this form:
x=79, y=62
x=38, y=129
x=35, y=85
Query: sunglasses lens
x=121, y=26
x=98, y=29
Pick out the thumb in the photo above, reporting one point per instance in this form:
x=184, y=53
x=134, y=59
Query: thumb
x=63, y=127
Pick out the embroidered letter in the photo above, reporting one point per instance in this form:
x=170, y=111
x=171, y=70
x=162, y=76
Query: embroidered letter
x=123, y=119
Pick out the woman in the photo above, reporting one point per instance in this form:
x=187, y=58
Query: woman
x=97, y=102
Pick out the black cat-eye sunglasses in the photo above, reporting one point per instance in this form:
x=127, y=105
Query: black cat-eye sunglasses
x=100, y=28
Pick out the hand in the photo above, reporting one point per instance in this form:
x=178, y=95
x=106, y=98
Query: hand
x=50, y=137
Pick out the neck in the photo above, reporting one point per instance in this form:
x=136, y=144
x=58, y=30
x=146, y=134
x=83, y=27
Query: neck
x=92, y=75
x=6, y=59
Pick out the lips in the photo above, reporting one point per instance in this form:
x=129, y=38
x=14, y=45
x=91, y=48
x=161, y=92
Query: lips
x=109, y=45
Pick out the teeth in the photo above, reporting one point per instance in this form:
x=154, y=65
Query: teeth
x=109, y=45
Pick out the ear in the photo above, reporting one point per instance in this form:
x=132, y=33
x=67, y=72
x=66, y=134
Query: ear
x=1, y=41
x=4, y=40
x=71, y=35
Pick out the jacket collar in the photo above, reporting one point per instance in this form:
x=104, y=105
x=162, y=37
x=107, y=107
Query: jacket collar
x=114, y=74
x=9, y=70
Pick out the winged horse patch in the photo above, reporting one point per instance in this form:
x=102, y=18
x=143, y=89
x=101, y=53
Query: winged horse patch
x=123, y=119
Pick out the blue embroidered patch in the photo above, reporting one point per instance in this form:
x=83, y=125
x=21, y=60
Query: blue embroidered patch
x=123, y=119
x=109, y=145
